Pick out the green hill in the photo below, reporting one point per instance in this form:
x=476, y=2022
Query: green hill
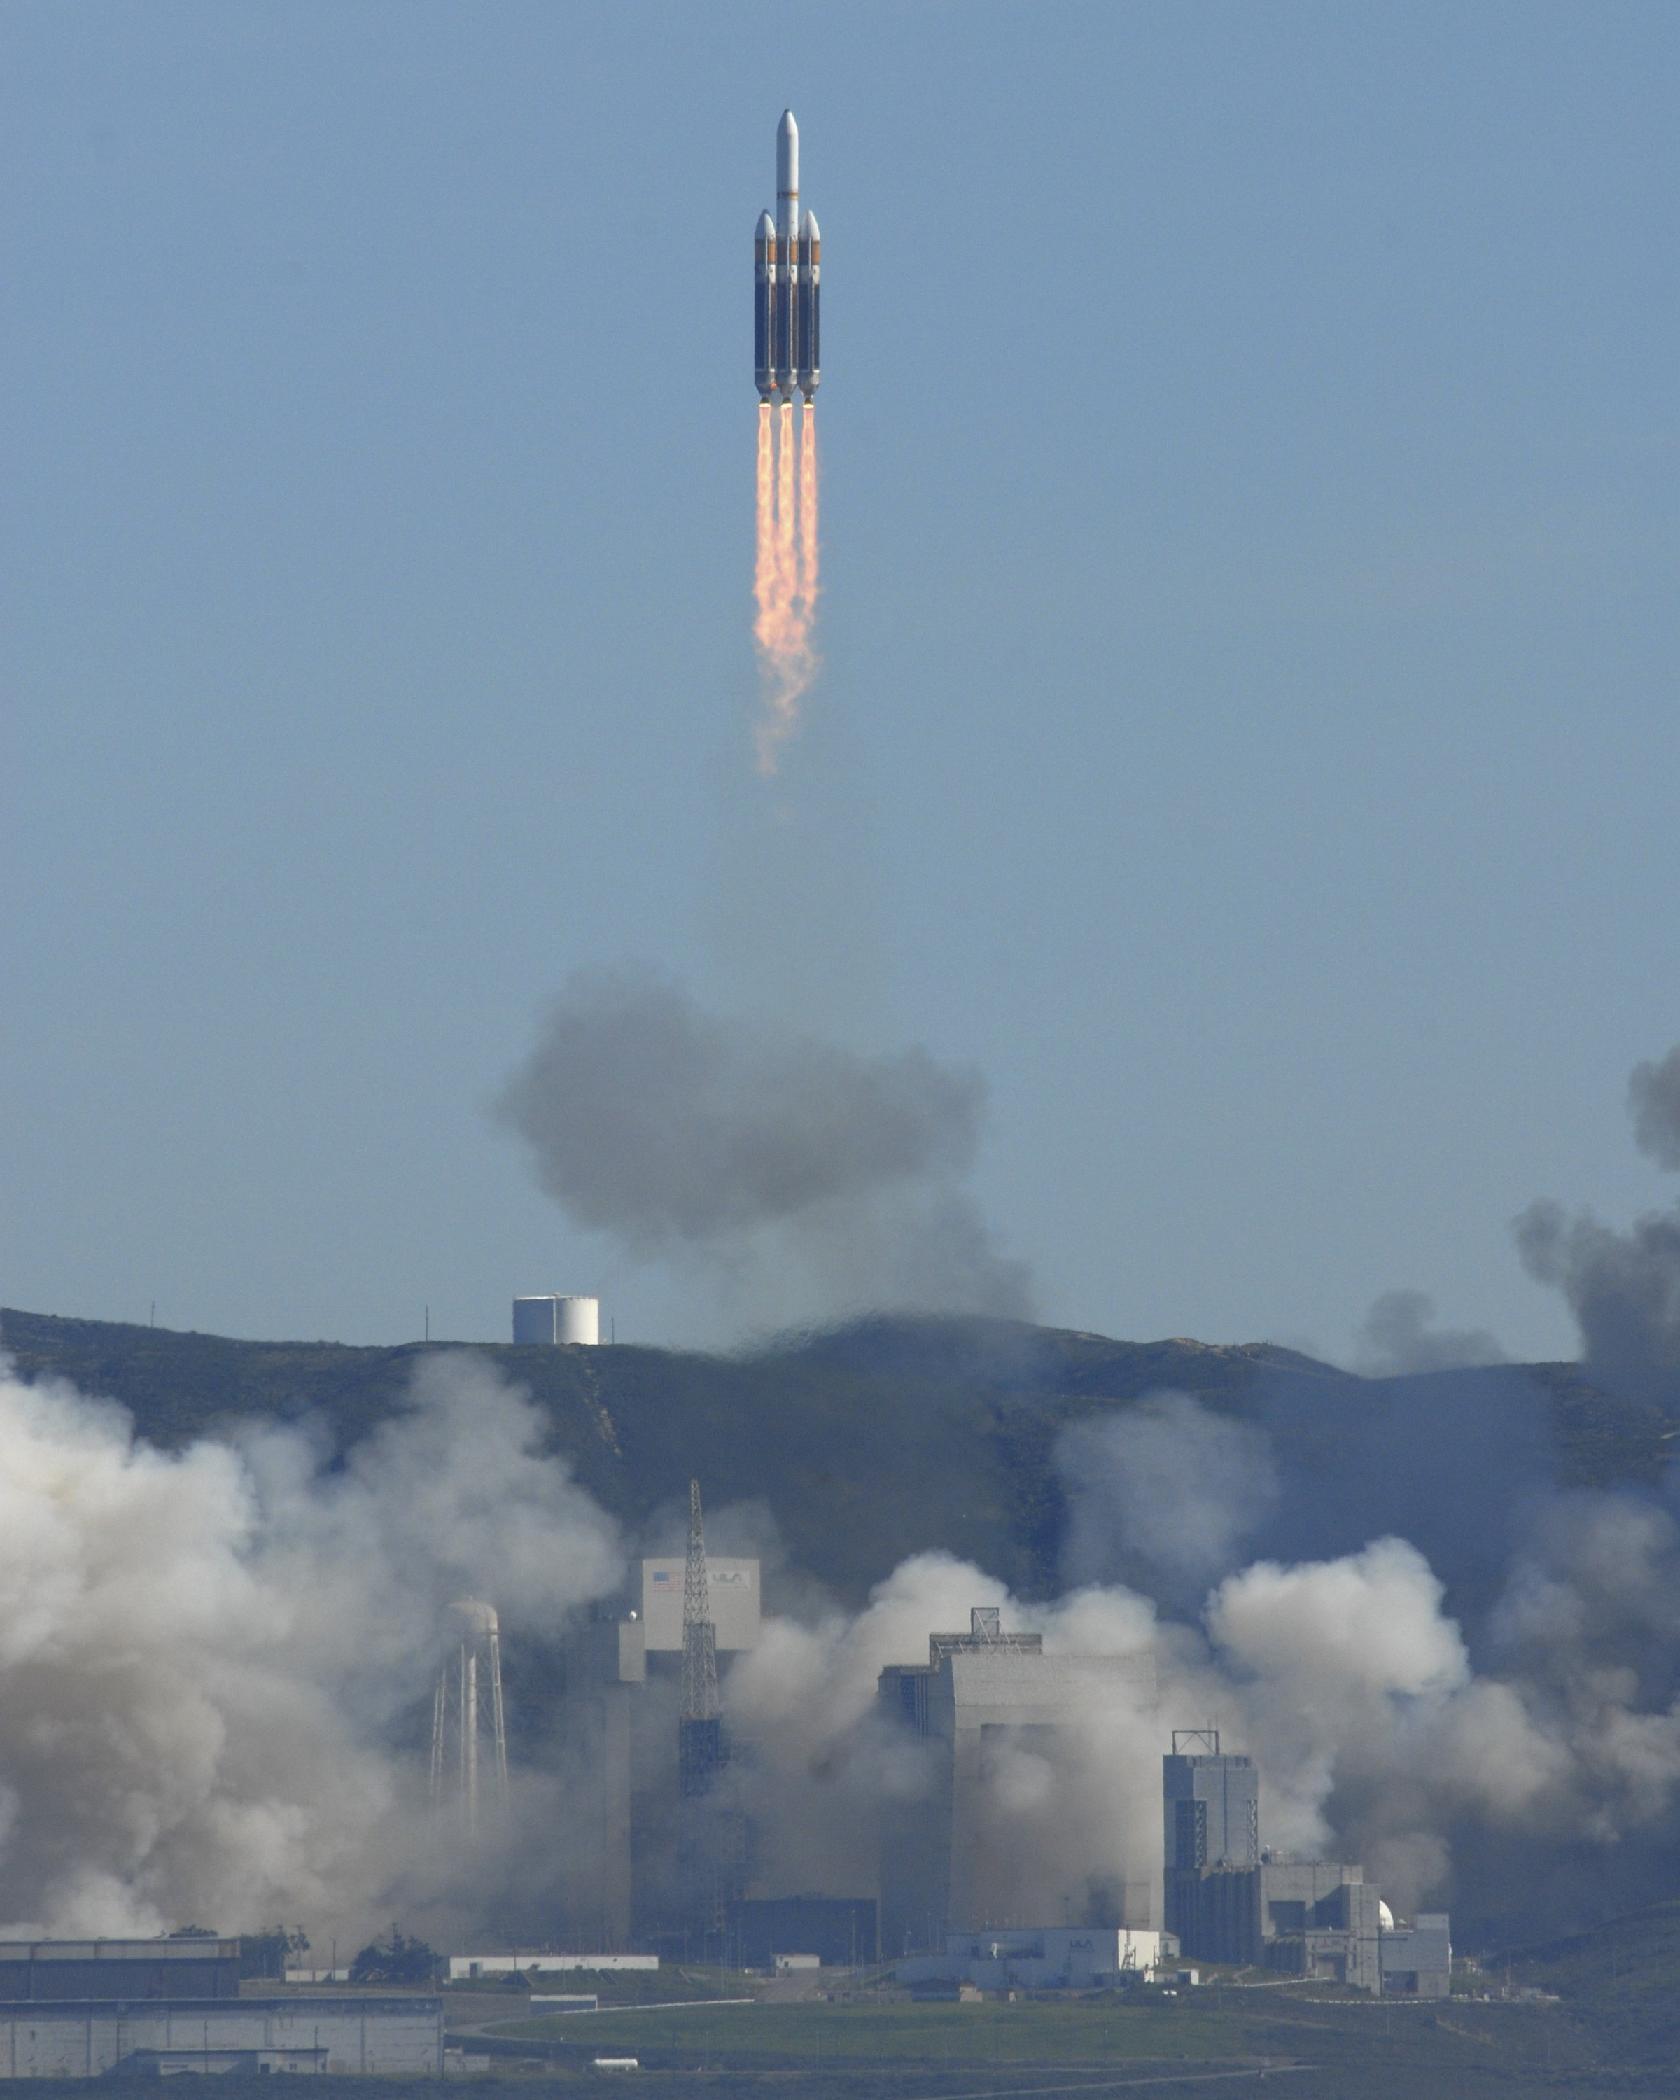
x=869, y=1443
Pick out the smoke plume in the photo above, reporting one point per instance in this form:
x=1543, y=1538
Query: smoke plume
x=1398, y=1336
x=1552, y=1762
x=809, y=1178
x=214, y=1664
x=1623, y=1287
x=1169, y=1487
x=1654, y=1103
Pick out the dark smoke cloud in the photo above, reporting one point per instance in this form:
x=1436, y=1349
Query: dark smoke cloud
x=1622, y=1287
x=793, y=1168
x=1654, y=1103
x=1398, y=1336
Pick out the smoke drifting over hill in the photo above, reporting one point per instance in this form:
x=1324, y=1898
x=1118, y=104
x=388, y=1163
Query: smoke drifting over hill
x=1397, y=1335
x=812, y=1180
x=1622, y=1287
x=214, y=1664
x=1535, y=1734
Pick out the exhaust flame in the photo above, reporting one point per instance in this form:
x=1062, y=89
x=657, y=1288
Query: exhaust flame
x=785, y=573
x=808, y=516
x=764, y=565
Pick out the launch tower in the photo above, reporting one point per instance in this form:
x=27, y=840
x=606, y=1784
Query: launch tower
x=712, y=1842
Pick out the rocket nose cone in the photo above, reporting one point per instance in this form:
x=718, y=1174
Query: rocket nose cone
x=787, y=128
x=765, y=230
x=809, y=228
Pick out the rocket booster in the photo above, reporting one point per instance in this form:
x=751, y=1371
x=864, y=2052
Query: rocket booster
x=787, y=284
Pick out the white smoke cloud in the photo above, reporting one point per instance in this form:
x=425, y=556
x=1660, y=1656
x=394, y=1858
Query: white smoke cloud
x=210, y=1660
x=1380, y=1736
x=1168, y=1484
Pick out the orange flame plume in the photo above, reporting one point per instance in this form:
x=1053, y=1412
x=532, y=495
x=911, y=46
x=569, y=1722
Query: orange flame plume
x=785, y=574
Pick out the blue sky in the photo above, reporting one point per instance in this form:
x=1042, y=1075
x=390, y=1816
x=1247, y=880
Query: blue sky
x=1247, y=732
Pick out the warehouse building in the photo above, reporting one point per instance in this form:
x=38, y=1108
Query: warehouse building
x=192, y=1966
x=88, y=2038
x=1052, y=1957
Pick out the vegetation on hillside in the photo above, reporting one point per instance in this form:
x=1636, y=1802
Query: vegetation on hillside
x=906, y=1433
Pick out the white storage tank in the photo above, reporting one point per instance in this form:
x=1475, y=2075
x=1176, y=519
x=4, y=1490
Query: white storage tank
x=555, y=1318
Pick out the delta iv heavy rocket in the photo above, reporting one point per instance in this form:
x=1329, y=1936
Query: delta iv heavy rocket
x=787, y=283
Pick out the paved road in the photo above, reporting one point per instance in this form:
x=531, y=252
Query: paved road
x=1250, y=2071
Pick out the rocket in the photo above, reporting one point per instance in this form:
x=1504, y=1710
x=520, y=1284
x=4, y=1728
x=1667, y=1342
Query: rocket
x=787, y=283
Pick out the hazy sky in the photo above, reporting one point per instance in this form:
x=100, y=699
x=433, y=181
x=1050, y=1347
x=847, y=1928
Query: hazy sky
x=1248, y=732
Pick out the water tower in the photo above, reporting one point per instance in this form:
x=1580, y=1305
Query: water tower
x=469, y=1728
x=554, y=1319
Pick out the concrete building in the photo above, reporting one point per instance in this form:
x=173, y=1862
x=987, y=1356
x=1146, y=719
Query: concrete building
x=130, y=1969
x=1316, y=1918
x=86, y=2038
x=989, y=1707
x=1417, y=1958
x=1229, y=1901
x=1211, y=1811
x=1052, y=1957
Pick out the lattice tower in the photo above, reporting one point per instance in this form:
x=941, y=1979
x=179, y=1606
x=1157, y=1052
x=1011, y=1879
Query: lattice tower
x=700, y=1677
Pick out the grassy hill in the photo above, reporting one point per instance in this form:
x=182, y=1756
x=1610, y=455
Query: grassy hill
x=1619, y=1982
x=904, y=1433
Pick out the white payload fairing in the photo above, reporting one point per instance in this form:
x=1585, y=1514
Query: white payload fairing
x=787, y=284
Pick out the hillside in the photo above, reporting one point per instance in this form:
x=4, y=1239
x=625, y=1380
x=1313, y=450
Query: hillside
x=1618, y=1982
x=904, y=1433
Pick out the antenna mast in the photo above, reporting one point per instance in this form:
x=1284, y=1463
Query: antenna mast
x=700, y=1678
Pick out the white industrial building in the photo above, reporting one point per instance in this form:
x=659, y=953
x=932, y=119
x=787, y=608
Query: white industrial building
x=1053, y=1957
x=733, y=1590
x=464, y=1967
x=340, y=2036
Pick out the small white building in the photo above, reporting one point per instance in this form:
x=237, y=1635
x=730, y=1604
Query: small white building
x=1050, y=1957
x=464, y=1967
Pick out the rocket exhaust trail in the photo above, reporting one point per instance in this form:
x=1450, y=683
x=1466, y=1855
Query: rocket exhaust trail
x=787, y=560
x=764, y=564
x=808, y=518
x=785, y=575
